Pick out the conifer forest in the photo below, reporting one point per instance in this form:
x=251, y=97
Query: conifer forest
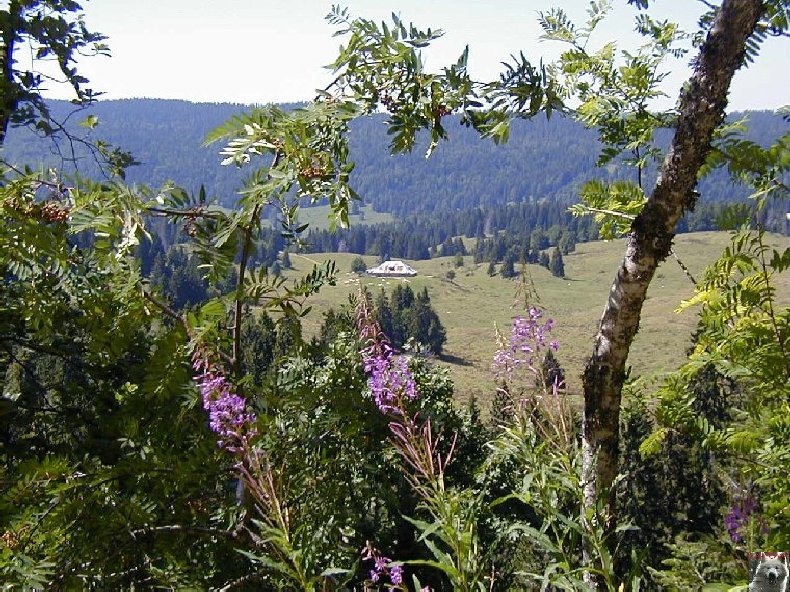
x=182, y=410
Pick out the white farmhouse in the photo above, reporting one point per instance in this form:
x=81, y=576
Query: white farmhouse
x=392, y=269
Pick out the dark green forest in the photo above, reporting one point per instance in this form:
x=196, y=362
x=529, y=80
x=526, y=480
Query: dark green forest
x=544, y=159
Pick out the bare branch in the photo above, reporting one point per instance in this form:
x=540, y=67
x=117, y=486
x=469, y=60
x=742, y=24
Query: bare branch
x=614, y=213
x=179, y=528
x=235, y=359
x=684, y=267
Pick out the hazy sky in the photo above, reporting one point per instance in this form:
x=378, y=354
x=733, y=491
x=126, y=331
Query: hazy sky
x=258, y=51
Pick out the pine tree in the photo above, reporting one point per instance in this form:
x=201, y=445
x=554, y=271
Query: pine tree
x=537, y=240
x=384, y=317
x=458, y=260
x=402, y=300
x=567, y=243
x=480, y=248
x=259, y=336
x=402, y=297
x=423, y=324
x=556, y=265
x=358, y=265
x=289, y=336
x=508, y=269
x=460, y=247
x=335, y=323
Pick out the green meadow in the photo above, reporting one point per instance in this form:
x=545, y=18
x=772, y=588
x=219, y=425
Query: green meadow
x=472, y=306
x=322, y=216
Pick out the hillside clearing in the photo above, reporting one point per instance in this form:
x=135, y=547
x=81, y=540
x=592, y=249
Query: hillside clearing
x=473, y=305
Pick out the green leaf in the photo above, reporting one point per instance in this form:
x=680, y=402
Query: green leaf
x=90, y=122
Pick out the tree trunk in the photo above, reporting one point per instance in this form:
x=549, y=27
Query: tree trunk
x=8, y=90
x=702, y=106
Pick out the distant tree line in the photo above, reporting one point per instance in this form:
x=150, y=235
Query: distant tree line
x=425, y=236
x=504, y=236
x=517, y=231
x=543, y=160
x=176, y=272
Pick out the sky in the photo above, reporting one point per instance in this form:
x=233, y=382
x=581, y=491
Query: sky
x=260, y=51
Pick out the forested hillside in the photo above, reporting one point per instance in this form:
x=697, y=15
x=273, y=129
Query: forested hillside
x=544, y=159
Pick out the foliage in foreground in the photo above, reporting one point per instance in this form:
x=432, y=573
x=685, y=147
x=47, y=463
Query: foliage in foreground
x=157, y=433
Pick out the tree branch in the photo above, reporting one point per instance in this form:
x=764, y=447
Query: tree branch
x=181, y=320
x=614, y=213
x=770, y=301
x=684, y=267
x=193, y=213
x=235, y=358
x=201, y=530
x=9, y=100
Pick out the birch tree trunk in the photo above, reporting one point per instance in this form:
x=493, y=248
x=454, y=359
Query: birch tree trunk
x=702, y=106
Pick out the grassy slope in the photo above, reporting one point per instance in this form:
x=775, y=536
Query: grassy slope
x=473, y=304
x=321, y=216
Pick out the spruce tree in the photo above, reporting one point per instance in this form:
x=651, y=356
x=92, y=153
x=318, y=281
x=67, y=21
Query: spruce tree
x=358, y=265
x=384, y=317
x=556, y=265
x=567, y=243
x=423, y=324
x=402, y=297
x=508, y=269
x=458, y=260
x=259, y=337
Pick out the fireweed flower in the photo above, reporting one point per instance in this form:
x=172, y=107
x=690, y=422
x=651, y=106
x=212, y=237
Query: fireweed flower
x=396, y=575
x=739, y=515
x=389, y=379
x=523, y=350
x=227, y=414
x=380, y=566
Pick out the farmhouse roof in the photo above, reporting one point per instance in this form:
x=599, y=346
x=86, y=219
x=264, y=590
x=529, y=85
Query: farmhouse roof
x=393, y=268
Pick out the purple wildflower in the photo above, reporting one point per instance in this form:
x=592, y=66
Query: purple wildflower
x=527, y=340
x=739, y=515
x=389, y=379
x=380, y=566
x=379, y=563
x=733, y=523
x=396, y=575
x=226, y=410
